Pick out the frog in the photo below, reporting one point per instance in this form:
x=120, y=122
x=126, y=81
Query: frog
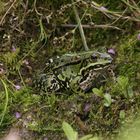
x=74, y=72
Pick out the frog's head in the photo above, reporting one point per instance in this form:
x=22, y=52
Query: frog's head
x=101, y=57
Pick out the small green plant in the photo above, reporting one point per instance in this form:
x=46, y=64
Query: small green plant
x=122, y=115
x=106, y=97
x=43, y=35
x=73, y=135
x=124, y=87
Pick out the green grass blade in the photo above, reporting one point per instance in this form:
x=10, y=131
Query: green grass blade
x=6, y=102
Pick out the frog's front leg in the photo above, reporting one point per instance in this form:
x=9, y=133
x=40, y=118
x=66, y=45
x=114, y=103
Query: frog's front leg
x=74, y=84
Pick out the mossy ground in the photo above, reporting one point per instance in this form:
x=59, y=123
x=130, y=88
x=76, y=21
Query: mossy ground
x=32, y=32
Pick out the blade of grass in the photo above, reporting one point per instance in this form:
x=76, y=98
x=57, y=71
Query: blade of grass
x=80, y=27
x=76, y=28
x=7, y=11
x=6, y=102
x=132, y=6
x=21, y=78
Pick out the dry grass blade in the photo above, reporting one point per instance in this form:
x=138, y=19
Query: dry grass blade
x=2, y=19
x=80, y=28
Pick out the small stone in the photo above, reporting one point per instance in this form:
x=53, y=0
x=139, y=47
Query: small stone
x=1, y=71
x=26, y=62
x=13, y=135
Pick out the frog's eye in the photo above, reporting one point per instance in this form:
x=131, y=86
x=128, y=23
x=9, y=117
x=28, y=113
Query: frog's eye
x=94, y=56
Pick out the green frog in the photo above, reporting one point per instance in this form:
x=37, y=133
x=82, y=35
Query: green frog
x=75, y=72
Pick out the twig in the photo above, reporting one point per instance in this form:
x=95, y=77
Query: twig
x=80, y=28
x=119, y=17
x=2, y=19
x=86, y=26
x=111, y=14
x=36, y=9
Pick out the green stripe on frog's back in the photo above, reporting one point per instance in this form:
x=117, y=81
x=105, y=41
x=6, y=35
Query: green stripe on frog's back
x=84, y=55
x=93, y=65
x=76, y=58
x=88, y=53
x=72, y=58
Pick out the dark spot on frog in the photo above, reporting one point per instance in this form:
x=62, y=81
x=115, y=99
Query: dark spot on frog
x=53, y=81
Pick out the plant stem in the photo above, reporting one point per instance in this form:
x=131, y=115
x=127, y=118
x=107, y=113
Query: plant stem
x=80, y=27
